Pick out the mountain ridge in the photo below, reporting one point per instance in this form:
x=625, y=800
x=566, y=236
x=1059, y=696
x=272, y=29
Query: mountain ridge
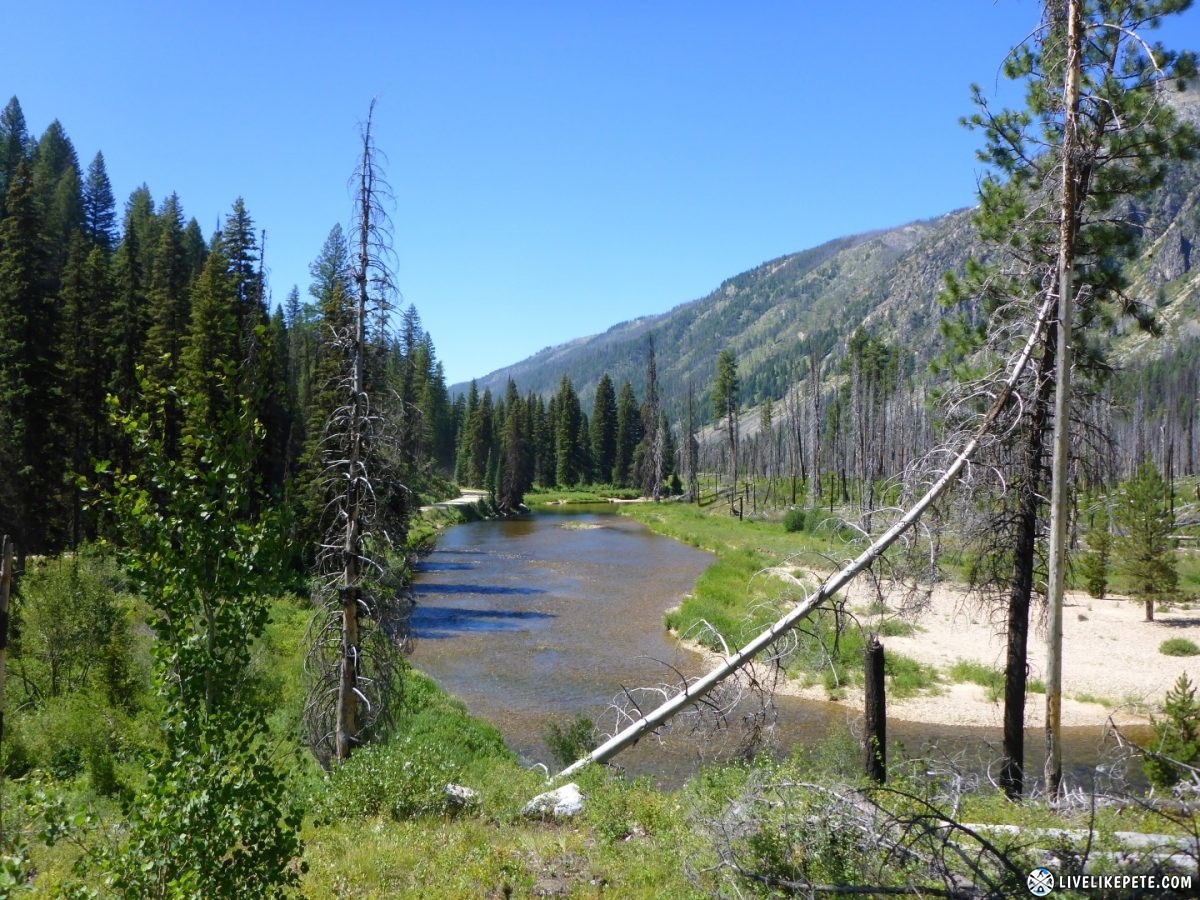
x=777, y=314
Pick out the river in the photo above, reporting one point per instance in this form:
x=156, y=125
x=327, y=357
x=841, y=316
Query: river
x=548, y=617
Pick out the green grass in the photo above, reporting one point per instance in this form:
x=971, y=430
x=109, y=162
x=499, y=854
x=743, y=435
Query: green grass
x=593, y=493
x=965, y=670
x=1178, y=647
x=737, y=597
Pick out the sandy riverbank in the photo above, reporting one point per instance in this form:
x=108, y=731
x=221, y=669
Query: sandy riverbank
x=1110, y=655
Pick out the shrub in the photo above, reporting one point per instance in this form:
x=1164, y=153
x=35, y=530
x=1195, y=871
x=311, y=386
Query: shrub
x=395, y=779
x=1176, y=737
x=794, y=520
x=1178, y=647
x=572, y=741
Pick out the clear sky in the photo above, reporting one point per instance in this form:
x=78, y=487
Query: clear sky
x=558, y=167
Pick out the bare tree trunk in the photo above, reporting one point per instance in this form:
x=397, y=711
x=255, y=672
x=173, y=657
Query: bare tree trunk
x=1059, y=512
x=814, y=375
x=1012, y=772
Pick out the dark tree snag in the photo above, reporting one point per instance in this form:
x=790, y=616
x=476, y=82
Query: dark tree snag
x=874, y=713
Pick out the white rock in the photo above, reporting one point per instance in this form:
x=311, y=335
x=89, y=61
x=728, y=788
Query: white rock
x=461, y=796
x=561, y=803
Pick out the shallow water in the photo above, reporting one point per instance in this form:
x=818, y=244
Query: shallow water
x=542, y=619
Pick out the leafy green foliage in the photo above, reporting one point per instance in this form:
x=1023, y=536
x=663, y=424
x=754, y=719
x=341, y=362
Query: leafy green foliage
x=1145, y=553
x=1178, y=647
x=73, y=617
x=1096, y=563
x=794, y=520
x=435, y=743
x=216, y=817
x=1176, y=736
x=571, y=741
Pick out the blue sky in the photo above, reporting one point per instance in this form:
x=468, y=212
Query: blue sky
x=558, y=167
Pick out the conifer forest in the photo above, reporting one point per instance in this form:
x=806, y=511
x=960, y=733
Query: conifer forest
x=218, y=496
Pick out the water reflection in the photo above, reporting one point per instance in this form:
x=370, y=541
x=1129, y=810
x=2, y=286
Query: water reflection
x=563, y=611
x=441, y=622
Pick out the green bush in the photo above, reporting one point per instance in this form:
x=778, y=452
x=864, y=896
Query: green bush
x=400, y=779
x=1176, y=737
x=1178, y=647
x=572, y=741
x=794, y=520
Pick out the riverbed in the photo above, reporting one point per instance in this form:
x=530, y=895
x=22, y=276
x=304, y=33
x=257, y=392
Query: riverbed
x=548, y=617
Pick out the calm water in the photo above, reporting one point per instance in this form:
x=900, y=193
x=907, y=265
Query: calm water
x=542, y=619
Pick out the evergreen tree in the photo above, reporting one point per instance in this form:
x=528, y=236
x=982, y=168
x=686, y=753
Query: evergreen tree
x=462, y=457
x=31, y=456
x=209, y=359
x=59, y=194
x=1176, y=736
x=1058, y=225
x=725, y=403
x=99, y=206
x=568, y=457
x=14, y=147
x=478, y=439
x=1096, y=562
x=85, y=368
x=130, y=316
x=278, y=459
x=439, y=416
x=1144, y=548
x=603, y=428
x=629, y=435
x=169, y=312
x=331, y=324
x=195, y=249
x=543, y=440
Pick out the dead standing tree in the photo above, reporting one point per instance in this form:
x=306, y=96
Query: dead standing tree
x=695, y=691
x=1058, y=216
x=361, y=623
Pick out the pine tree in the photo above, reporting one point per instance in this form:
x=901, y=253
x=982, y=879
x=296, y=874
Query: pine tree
x=726, y=389
x=1050, y=235
x=85, y=368
x=1144, y=548
x=516, y=463
x=653, y=440
x=31, y=456
x=209, y=360
x=99, y=207
x=1096, y=562
x=169, y=311
x=14, y=147
x=629, y=435
x=568, y=461
x=603, y=427
x=59, y=192
x=1176, y=741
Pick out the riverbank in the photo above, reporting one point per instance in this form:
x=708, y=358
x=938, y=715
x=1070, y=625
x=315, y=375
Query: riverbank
x=1112, y=665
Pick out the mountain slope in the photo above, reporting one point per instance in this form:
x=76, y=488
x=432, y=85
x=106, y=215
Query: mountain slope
x=775, y=315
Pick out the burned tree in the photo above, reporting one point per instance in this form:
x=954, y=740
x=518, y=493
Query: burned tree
x=360, y=626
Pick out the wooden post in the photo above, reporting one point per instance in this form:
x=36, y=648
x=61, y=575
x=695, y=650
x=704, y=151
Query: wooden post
x=875, y=713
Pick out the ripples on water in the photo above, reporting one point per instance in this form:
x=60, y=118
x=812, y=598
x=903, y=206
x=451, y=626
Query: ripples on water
x=549, y=617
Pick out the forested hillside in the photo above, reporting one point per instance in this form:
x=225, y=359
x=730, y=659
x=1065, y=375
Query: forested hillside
x=98, y=302
x=791, y=313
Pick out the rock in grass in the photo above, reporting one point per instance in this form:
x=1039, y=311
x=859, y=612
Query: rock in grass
x=562, y=803
x=460, y=797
